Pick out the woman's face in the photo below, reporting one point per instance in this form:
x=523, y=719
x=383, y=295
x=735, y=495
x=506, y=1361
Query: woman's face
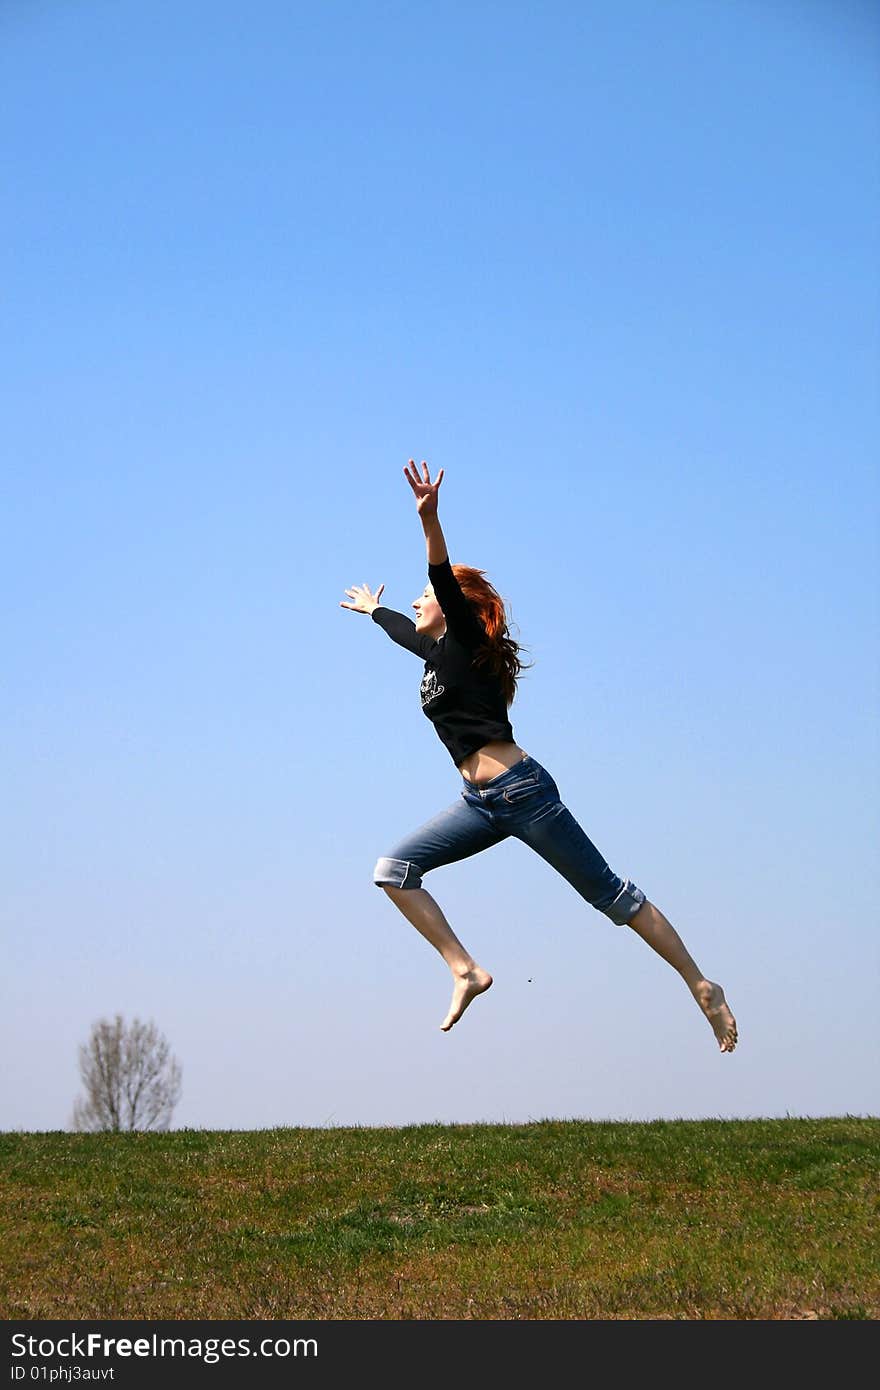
x=429, y=614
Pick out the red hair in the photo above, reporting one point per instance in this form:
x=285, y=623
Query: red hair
x=500, y=653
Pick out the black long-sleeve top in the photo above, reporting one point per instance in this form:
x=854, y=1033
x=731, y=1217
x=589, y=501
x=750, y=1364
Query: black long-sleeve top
x=465, y=703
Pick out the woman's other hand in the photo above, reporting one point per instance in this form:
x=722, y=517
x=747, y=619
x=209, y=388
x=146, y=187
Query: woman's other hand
x=364, y=600
x=425, y=491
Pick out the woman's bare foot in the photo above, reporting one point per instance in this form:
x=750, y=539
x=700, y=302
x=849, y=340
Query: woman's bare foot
x=710, y=998
x=468, y=984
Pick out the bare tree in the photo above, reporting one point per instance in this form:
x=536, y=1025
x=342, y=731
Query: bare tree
x=131, y=1081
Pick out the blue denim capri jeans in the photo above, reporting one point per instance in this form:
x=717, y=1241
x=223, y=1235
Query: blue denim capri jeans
x=524, y=802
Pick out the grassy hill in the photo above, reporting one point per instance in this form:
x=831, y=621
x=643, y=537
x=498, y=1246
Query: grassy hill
x=556, y=1219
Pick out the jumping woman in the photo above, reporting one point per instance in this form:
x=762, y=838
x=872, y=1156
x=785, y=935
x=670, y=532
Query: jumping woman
x=471, y=667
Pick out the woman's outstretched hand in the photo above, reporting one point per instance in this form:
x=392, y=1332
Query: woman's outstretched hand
x=364, y=601
x=425, y=491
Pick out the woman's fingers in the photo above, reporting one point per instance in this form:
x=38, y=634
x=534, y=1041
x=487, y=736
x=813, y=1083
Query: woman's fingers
x=424, y=490
x=422, y=485
x=415, y=482
x=362, y=596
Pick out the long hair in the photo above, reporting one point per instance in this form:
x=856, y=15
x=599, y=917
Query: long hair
x=500, y=653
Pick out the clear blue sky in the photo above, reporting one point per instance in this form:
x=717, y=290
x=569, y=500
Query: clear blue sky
x=612, y=266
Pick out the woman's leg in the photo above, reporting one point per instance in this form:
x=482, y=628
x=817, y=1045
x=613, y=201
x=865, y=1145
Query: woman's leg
x=456, y=833
x=469, y=979
x=537, y=816
x=650, y=924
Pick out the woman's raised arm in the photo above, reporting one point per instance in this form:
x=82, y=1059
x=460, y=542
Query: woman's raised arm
x=426, y=501
x=461, y=617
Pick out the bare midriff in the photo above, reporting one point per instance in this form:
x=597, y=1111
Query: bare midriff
x=490, y=761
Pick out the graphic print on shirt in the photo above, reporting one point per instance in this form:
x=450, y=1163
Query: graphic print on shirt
x=429, y=688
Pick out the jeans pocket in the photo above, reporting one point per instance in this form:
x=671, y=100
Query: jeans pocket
x=520, y=790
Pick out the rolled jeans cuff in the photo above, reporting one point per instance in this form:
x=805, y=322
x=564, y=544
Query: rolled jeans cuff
x=397, y=873
x=626, y=904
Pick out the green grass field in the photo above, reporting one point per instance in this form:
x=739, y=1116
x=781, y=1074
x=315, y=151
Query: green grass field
x=556, y=1219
